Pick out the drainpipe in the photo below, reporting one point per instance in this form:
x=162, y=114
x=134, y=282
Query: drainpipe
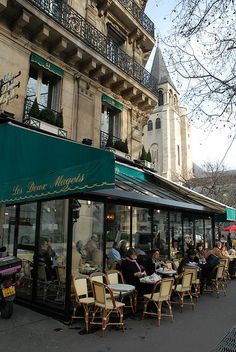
x=75, y=121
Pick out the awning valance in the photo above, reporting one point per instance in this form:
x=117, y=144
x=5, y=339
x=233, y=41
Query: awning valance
x=35, y=166
x=47, y=65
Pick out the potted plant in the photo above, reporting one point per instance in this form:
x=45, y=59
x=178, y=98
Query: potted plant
x=48, y=116
x=59, y=119
x=34, y=110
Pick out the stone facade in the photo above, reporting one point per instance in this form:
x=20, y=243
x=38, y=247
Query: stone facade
x=167, y=134
x=101, y=49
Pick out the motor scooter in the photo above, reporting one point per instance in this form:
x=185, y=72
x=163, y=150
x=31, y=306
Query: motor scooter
x=9, y=267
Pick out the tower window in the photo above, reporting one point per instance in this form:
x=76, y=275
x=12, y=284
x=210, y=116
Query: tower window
x=149, y=125
x=158, y=123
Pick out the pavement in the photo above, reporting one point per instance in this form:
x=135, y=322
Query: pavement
x=191, y=331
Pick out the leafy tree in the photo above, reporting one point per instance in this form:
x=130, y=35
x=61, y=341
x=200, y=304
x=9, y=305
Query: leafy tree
x=48, y=116
x=201, y=48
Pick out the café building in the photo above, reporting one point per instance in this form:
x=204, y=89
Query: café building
x=75, y=201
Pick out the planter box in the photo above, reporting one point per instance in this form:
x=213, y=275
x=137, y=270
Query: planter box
x=32, y=121
x=119, y=153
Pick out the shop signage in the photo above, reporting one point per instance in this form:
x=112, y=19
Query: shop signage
x=47, y=65
x=8, y=85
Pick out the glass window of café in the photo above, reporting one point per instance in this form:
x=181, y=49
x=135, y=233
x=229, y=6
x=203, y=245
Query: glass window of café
x=199, y=231
x=142, y=236
x=187, y=232
x=208, y=233
x=117, y=234
x=161, y=232
x=7, y=228
x=52, y=253
x=176, y=240
x=87, y=246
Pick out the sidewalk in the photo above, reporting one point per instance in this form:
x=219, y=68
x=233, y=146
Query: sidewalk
x=191, y=331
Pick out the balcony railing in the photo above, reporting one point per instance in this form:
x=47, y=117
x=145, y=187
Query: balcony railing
x=66, y=16
x=139, y=15
x=52, y=123
x=104, y=138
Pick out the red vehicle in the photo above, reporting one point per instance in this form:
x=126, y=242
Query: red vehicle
x=9, y=267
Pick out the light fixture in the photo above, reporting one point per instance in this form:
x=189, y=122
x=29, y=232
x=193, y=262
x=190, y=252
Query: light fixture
x=89, y=203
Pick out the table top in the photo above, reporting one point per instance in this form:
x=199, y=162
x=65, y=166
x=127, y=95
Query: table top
x=165, y=271
x=121, y=287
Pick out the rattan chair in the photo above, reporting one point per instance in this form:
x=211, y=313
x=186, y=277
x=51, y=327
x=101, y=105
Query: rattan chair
x=217, y=282
x=82, y=299
x=115, y=277
x=157, y=298
x=106, y=305
x=195, y=280
x=183, y=289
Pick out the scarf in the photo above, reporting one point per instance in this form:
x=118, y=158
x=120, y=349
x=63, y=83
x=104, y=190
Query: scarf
x=134, y=261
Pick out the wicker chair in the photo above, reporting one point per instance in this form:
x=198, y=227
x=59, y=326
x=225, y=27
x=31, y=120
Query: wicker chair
x=106, y=304
x=166, y=286
x=183, y=289
x=82, y=299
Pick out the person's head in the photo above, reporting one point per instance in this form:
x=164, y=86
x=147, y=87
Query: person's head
x=199, y=246
x=156, y=254
x=191, y=254
x=79, y=245
x=131, y=253
x=123, y=245
x=43, y=243
x=218, y=244
x=229, y=235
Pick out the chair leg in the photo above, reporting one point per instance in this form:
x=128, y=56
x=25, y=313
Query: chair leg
x=191, y=300
x=170, y=310
x=159, y=313
x=104, y=322
x=86, y=317
x=181, y=301
x=121, y=318
x=144, y=308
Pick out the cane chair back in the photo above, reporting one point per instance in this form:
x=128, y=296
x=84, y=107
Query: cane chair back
x=106, y=304
x=218, y=282
x=82, y=299
x=115, y=277
x=157, y=298
x=175, y=264
x=183, y=289
x=225, y=262
x=195, y=280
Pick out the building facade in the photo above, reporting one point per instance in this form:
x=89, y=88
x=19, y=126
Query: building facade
x=82, y=76
x=167, y=134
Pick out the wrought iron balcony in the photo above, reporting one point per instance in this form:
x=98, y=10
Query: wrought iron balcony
x=139, y=15
x=70, y=19
x=51, y=120
x=104, y=138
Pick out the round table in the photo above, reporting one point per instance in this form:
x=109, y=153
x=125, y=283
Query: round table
x=121, y=288
x=165, y=271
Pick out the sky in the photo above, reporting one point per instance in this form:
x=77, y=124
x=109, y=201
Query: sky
x=213, y=146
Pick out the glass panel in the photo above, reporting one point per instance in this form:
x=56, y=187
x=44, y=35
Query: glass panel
x=199, y=231
x=208, y=234
x=160, y=224
x=188, y=233
x=141, y=228
x=25, y=248
x=176, y=234
x=118, y=234
x=51, y=270
x=87, y=250
x=7, y=228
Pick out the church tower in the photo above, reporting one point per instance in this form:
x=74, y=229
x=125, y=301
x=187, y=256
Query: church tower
x=167, y=134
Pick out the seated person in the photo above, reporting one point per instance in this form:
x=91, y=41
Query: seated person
x=45, y=257
x=131, y=270
x=200, y=251
x=153, y=262
x=189, y=258
x=123, y=248
x=93, y=253
x=114, y=257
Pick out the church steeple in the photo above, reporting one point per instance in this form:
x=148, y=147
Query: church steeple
x=159, y=69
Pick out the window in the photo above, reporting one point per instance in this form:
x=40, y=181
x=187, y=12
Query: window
x=149, y=125
x=160, y=98
x=43, y=86
x=154, y=152
x=158, y=123
x=110, y=120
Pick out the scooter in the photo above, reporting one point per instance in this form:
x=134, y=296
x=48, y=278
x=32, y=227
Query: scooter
x=9, y=267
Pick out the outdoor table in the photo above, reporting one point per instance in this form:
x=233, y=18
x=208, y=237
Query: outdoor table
x=165, y=271
x=122, y=288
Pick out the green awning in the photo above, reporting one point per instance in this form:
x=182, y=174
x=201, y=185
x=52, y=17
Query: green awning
x=229, y=215
x=35, y=166
x=47, y=65
x=112, y=102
